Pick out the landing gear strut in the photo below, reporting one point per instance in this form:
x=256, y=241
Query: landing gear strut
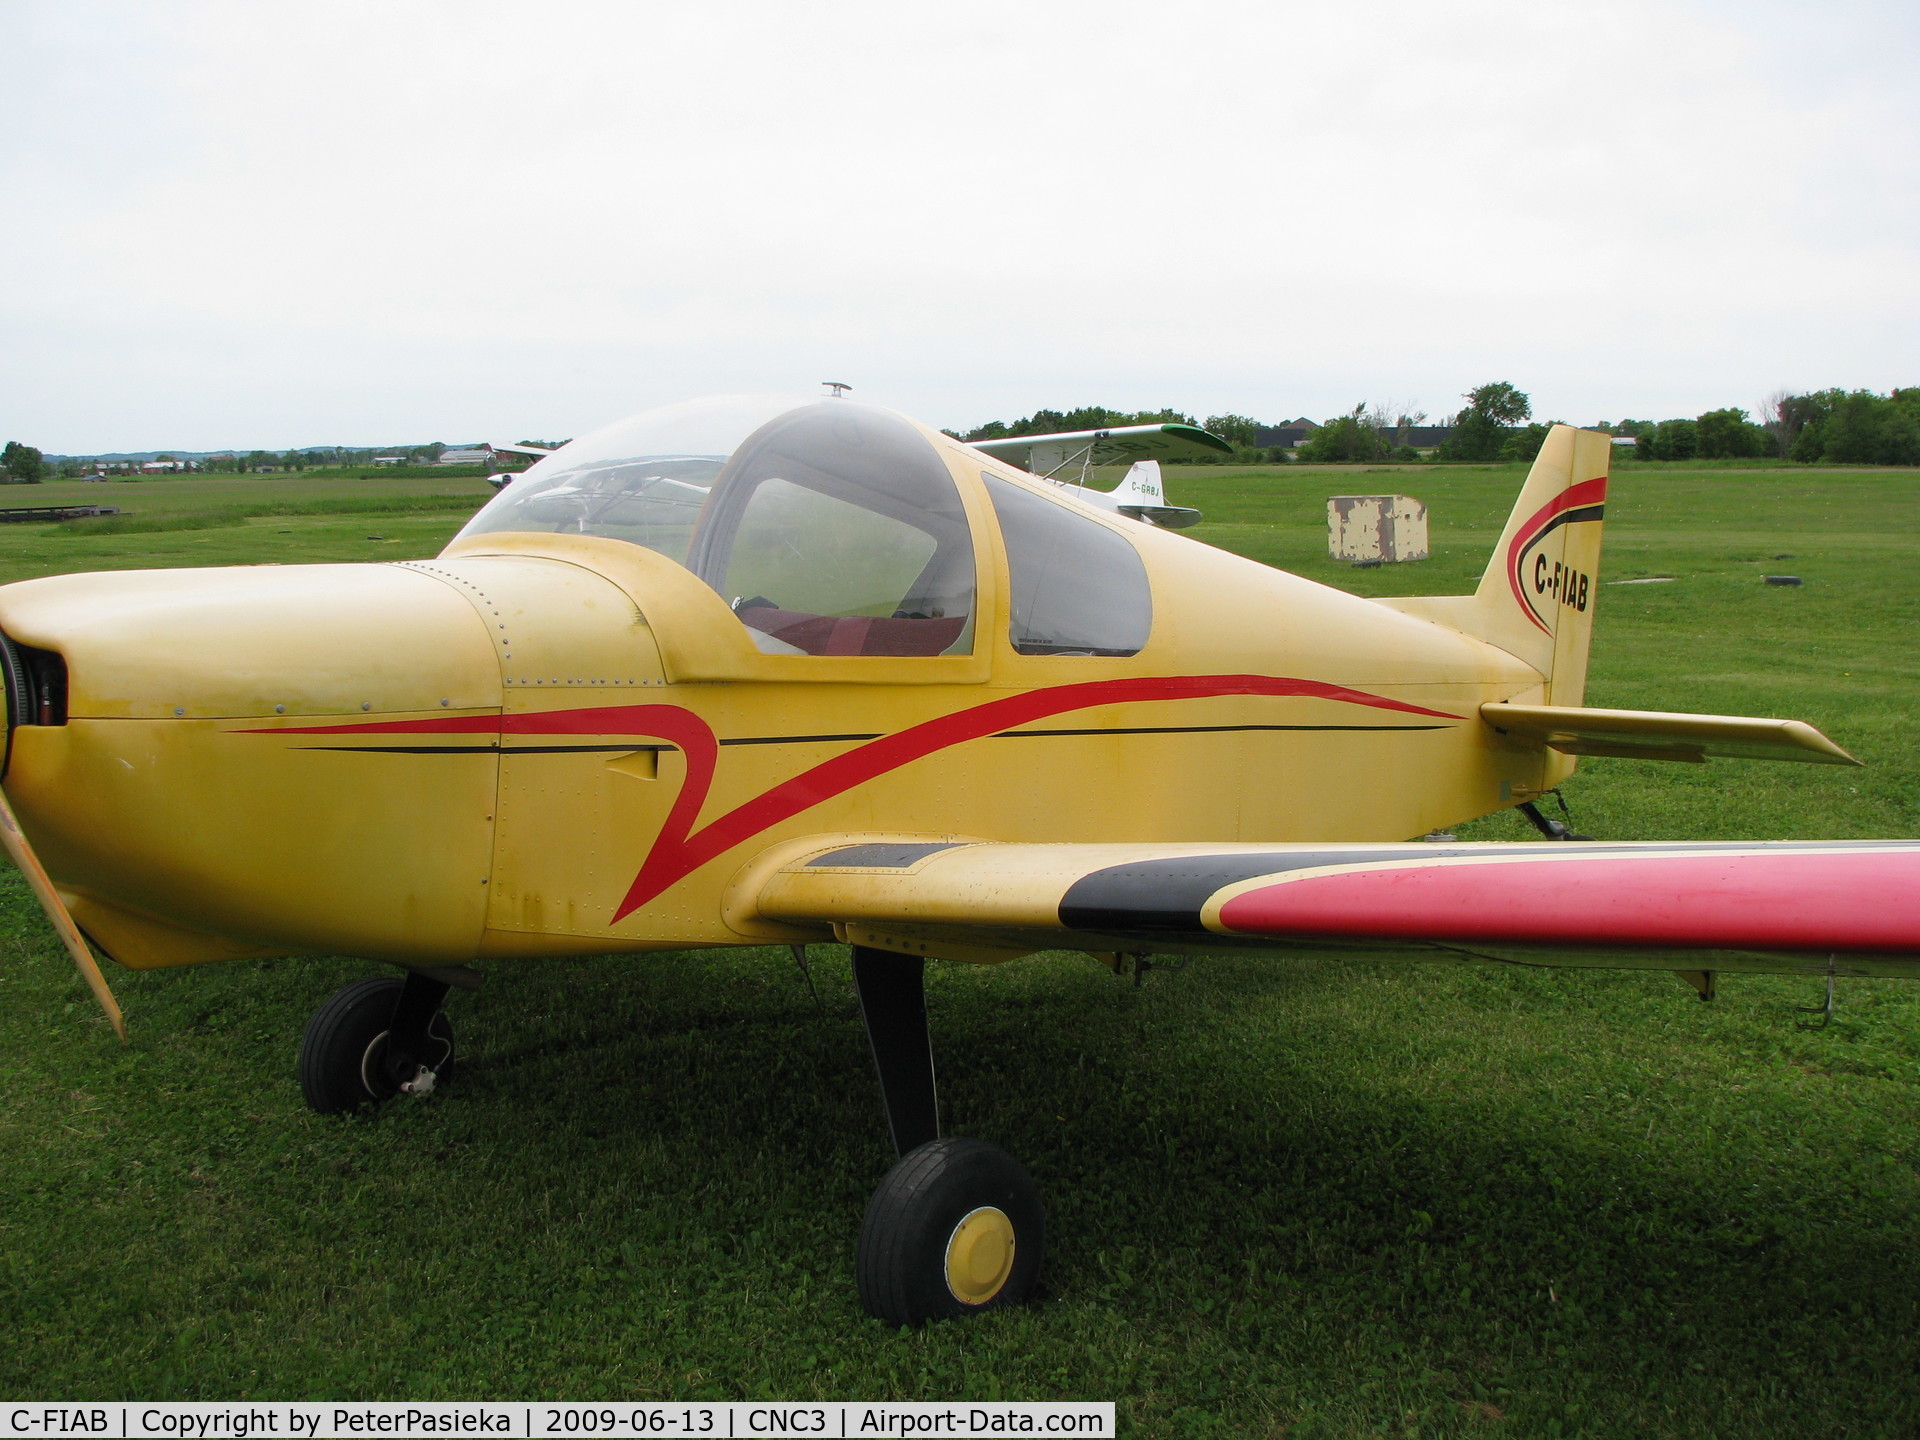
x=956, y=1227
x=375, y=1039
x=1561, y=829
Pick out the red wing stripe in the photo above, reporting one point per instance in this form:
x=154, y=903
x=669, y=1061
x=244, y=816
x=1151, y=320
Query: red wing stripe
x=1839, y=900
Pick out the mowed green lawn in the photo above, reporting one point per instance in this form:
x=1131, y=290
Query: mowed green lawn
x=238, y=520
x=1301, y=1198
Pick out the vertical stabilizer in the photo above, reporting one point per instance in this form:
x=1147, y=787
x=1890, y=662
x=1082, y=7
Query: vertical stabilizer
x=1142, y=485
x=1536, y=599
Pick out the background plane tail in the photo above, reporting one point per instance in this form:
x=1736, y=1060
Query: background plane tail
x=1142, y=485
x=1142, y=495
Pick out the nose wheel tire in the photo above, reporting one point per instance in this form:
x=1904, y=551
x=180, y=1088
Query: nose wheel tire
x=346, y=1060
x=954, y=1229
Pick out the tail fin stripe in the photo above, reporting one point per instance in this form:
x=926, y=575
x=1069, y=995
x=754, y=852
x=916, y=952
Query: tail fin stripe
x=1578, y=502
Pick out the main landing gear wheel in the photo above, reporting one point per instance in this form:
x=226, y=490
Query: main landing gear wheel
x=956, y=1226
x=372, y=1040
x=954, y=1229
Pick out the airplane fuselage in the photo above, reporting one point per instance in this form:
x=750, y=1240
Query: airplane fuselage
x=547, y=743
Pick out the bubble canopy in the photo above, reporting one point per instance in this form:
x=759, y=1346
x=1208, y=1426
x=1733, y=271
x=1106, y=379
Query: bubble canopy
x=829, y=527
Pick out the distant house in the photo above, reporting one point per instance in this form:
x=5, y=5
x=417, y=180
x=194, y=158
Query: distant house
x=463, y=457
x=1625, y=440
x=389, y=459
x=1288, y=434
x=94, y=479
x=1292, y=434
x=161, y=467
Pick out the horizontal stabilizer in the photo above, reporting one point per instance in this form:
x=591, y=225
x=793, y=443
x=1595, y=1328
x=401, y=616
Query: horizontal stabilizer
x=1167, y=517
x=1657, y=735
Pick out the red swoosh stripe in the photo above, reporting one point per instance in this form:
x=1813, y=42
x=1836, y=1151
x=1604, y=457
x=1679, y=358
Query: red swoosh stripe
x=1587, y=492
x=679, y=850
x=669, y=863
x=1806, y=901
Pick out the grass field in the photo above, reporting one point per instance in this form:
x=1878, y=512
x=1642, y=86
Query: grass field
x=237, y=520
x=1285, y=1198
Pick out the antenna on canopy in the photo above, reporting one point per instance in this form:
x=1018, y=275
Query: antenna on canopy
x=838, y=387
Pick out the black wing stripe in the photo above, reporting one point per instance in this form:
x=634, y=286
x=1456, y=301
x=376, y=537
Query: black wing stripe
x=879, y=856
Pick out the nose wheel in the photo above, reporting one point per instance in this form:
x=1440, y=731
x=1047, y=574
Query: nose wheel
x=956, y=1227
x=375, y=1039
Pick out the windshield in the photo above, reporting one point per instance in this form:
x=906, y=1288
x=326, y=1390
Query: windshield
x=642, y=479
x=829, y=527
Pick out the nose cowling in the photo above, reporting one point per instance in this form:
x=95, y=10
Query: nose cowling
x=173, y=789
x=251, y=640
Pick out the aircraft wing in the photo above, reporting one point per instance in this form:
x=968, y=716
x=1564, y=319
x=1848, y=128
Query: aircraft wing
x=1043, y=454
x=951, y=897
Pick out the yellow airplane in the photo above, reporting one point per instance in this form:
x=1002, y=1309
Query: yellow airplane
x=758, y=671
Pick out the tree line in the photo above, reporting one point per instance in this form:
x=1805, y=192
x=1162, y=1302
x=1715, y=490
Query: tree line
x=1831, y=427
x=1834, y=427
x=24, y=465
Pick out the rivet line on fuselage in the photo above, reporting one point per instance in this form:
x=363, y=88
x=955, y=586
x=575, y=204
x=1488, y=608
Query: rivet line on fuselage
x=506, y=641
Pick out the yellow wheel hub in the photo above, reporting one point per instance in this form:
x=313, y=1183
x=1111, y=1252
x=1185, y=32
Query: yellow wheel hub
x=979, y=1255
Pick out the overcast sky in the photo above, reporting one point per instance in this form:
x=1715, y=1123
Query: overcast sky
x=277, y=224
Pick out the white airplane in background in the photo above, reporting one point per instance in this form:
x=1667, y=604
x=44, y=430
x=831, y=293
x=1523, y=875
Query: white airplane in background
x=1140, y=495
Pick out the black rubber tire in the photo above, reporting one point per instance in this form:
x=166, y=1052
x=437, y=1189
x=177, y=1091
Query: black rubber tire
x=336, y=1072
x=902, y=1260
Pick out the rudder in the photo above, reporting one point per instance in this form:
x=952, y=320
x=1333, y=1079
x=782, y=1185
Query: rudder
x=1536, y=599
